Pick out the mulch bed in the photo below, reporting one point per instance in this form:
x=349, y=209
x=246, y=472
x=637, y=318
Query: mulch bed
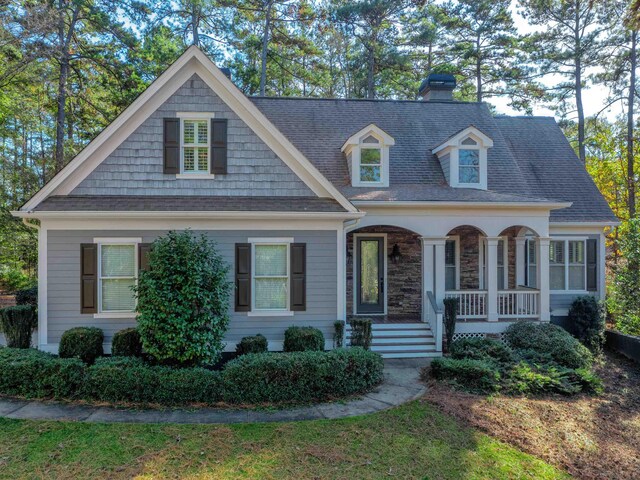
x=589, y=437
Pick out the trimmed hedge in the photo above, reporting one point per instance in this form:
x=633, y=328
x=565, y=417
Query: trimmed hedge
x=303, y=339
x=126, y=343
x=550, y=342
x=361, y=332
x=84, y=343
x=255, y=344
x=300, y=377
x=475, y=375
x=277, y=378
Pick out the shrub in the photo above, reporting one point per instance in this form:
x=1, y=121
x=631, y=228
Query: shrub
x=450, y=318
x=126, y=343
x=302, y=339
x=629, y=324
x=129, y=379
x=15, y=279
x=549, y=340
x=256, y=344
x=527, y=379
x=84, y=343
x=36, y=374
x=475, y=375
x=301, y=377
x=18, y=324
x=481, y=349
x=183, y=300
x=338, y=337
x=586, y=317
x=27, y=296
x=361, y=333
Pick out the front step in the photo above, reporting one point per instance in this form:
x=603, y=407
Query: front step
x=401, y=340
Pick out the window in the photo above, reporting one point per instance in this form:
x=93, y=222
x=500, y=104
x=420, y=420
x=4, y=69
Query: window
x=195, y=146
x=503, y=263
x=567, y=265
x=531, y=262
x=468, y=166
x=117, y=274
x=370, y=165
x=451, y=265
x=271, y=276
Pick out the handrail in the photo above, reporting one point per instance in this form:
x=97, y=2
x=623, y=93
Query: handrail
x=434, y=317
x=434, y=304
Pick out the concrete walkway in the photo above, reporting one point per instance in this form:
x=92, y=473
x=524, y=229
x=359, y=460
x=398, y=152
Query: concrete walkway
x=401, y=384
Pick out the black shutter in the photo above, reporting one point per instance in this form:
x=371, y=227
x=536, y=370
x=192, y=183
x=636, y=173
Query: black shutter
x=298, y=277
x=171, y=138
x=592, y=265
x=243, y=277
x=143, y=256
x=219, y=146
x=88, y=278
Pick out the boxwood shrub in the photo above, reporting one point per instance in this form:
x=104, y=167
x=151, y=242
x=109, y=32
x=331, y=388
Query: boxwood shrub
x=126, y=343
x=302, y=339
x=277, y=378
x=254, y=344
x=84, y=343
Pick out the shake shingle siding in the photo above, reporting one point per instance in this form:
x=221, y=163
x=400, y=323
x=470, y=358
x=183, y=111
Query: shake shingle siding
x=136, y=166
x=64, y=283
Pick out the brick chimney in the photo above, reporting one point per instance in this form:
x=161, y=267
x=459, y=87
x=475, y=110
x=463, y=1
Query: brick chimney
x=438, y=87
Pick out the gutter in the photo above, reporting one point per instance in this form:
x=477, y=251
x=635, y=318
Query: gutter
x=458, y=204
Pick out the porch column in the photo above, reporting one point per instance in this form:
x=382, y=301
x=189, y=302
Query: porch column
x=492, y=278
x=434, y=280
x=542, y=247
x=520, y=260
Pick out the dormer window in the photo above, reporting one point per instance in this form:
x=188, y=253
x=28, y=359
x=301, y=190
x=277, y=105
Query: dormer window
x=463, y=158
x=367, y=155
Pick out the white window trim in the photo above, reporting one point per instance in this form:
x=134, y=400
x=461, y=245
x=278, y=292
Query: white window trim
x=355, y=273
x=456, y=240
x=456, y=176
x=527, y=261
x=358, y=157
x=354, y=145
x=282, y=312
x=100, y=241
x=505, y=254
x=566, y=290
x=198, y=173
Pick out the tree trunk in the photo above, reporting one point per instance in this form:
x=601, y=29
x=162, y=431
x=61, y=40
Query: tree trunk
x=194, y=24
x=578, y=86
x=265, y=45
x=478, y=72
x=631, y=184
x=60, y=115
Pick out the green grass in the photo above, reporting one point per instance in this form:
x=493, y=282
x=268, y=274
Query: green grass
x=412, y=441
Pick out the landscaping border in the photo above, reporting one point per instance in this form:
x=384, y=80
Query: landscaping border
x=627, y=345
x=401, y=385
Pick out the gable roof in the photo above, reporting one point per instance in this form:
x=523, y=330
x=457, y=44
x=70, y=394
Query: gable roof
x=530, y=160
x=192, y=61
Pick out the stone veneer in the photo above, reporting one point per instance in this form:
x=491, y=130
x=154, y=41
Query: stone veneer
x=404, y=279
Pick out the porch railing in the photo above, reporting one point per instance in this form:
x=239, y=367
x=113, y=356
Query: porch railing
x=472, y=304
x=520, y=303
x=434, y=318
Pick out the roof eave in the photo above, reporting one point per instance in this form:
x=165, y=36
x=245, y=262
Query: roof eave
x=142, y=214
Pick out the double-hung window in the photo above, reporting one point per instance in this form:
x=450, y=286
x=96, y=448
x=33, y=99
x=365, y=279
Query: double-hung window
x=451, y=264
x=270, y=276
x=117, y=275
x=567, y=265
x=370, y=164
x=195, y=146
x=531, y=272
x=469, y=166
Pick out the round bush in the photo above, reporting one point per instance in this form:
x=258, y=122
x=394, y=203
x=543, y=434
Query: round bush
x=550, y=341
x=303, y=339
x=481, y=349
x=255, y=344
x=84, y=343
x=18, y=324
x=126, y=343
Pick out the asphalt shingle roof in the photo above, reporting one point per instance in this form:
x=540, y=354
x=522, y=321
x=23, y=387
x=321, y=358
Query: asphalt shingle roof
x=531, y=159
x=151, y=203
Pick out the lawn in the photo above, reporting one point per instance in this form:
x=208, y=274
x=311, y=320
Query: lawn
x=412, y=441
x=590, y=437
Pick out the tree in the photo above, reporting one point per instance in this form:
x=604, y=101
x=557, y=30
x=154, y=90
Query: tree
x=569, y=44
x=183, y=300
x=625, y=301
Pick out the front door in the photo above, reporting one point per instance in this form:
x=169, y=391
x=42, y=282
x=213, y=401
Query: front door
x=370, y=275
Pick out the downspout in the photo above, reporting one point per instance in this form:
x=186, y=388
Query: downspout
x=29, y=224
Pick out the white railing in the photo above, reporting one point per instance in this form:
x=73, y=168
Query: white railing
x=521, y=303
x=433, y=316
x=472, y=304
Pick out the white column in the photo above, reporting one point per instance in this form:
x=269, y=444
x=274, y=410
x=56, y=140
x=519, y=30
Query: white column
x=520, y=260
x=434, y=275
x=43, y=338
x=542, y=246
x=341, y=248
x=492, y=278
x=427, y=266
x=439, y=271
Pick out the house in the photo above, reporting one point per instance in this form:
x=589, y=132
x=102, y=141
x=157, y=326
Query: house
x=326, y=209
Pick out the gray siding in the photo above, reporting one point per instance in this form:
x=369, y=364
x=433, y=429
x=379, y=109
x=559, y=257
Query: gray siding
x=136, y=166
x=64, y=283
x=445, y=161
